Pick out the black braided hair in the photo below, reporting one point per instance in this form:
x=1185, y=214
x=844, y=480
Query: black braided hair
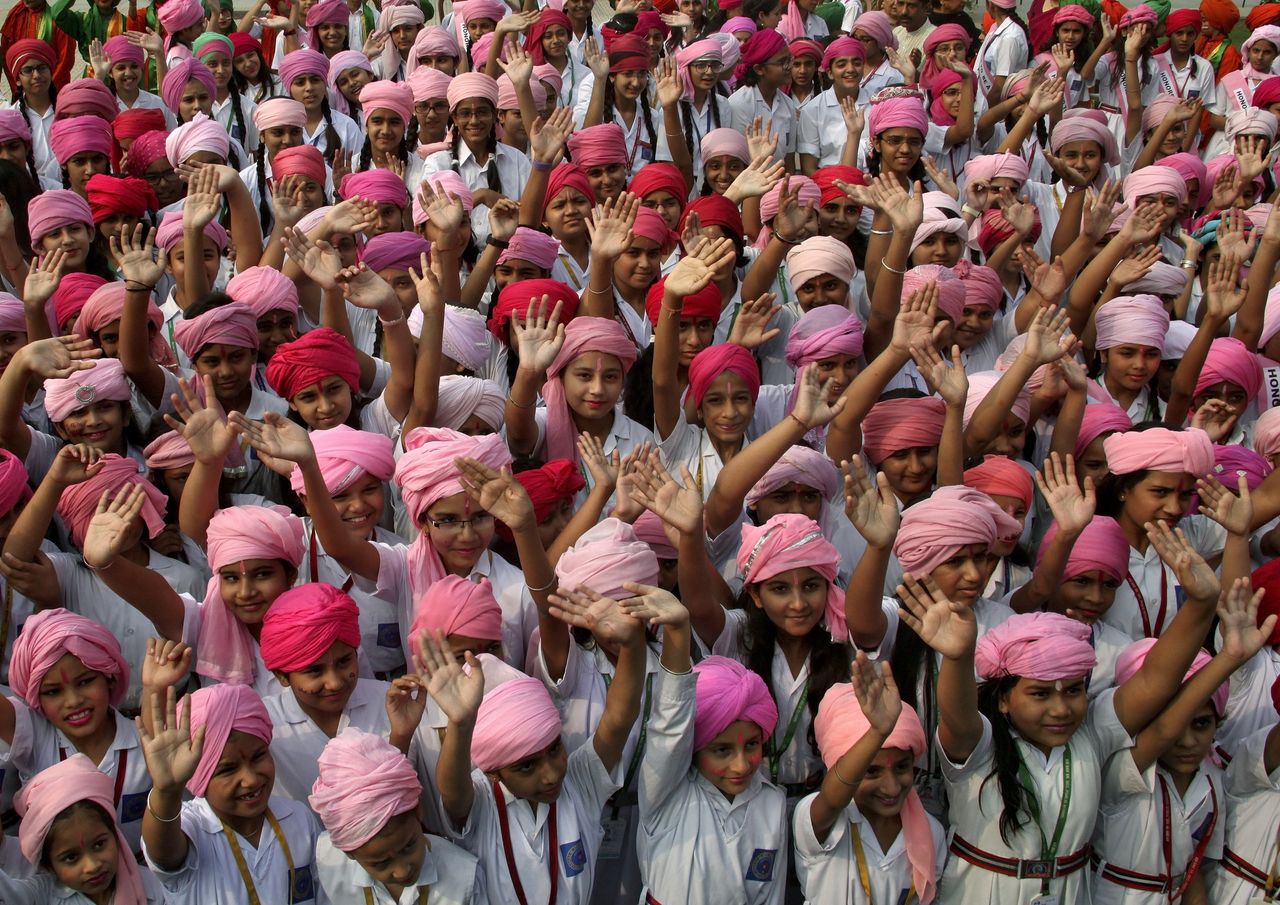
x=264, y=207
x=239, y=131
x=331, y=139
x=641, y=106
x=241, y=84
x=1005, y=759
x=686, y=117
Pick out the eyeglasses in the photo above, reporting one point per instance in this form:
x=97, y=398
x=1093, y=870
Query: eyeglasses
x=451, y=525
x=705, y=66
x=154, y=179
x=785, y=64
x=467, y=113
x=37, y=69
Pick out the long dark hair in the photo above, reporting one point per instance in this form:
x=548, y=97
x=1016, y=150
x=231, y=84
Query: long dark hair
x=19, y=187
x=1006, y=759
x=686, y=118
x=642, y=107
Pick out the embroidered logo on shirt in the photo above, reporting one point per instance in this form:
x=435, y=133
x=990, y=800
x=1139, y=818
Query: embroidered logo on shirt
x=389, y=634
x=132, y=807
x=574, y=855
x=761, y=866
x=304, y=886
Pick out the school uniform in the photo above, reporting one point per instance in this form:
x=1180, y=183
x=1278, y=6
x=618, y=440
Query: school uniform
x=975, y=826
x=529, y=850
x=242, y=130
x=513, y=168
x=822, y=132
x=350, y=135
x=1108, y=643
x=449, y=876
x=1003, y=52
x=875, y=81
x=41, y=888
x=1249, y=706
x=17, y=609
x=297, y=742
x=47, y=165
x=696, y=846
x=849, y=867
x=625, y=435
x=148, y=101
x=37, y=745
x=281, y=868
x=1194, y=80
x=782, y=116
x=1252, y=827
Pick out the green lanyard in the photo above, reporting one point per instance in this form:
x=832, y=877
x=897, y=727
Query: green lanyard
x=775, y=752
x=1048, y=849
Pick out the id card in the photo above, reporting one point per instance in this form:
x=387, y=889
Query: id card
x=1045, y=900
x=615, y=834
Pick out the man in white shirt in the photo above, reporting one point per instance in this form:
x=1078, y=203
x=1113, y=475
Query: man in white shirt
x=911, y=26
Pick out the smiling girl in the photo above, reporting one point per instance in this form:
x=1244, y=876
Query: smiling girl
x=229, y=108
x=126, y=66
x=304, y=75
x=29, y=65
x=547, y=42
x=1130, y=337
x=825, y=136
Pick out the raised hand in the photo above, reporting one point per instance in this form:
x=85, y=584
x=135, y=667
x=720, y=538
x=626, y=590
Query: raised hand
x=1072, y=507
x=75, y=463
x=1193, y=573
x=166, y=663
x=457, y=688
x=134, y=256
x=406, y=701
x=172, y=752
x=445, y=215
x=111, y=530
x=497, y=493
x=1215, y=418
x=1136, y=267
x=695, y=271
x=1242, y=636
x=1047, y=96
x=1063, y=57
x=59, y=356
x=792, y=222
x=762, y=141
x=610, y=225
x=668, y=81
x=518, y=65
x=504, y=217
x=1222, y=297
x=905, y=212
x=949, y=628
x=940, y=177
x=1233, y=511
x=916, y=324
x=854, y=118
x=43, y=278
x=363, y=288
x=751, y=328
x=1047, y=338
x=877, y=693
x=288, y=200
x=653, y=606
x=540, y=337
x=319, y=260
x=871, y=507
x=36, y=580
x=278, y=441
x=1021, y=214
x=352, y=215
x=547, y=136
x=679, y=505
x=812, y=408
x=626, y=507
x=1235, y=235
x=426, y=282
x=203, y=424
x=1099, y=210
x=602, y=467
x=946, y=380
x=596, y=60
x=1049, y=280
x=602, y=616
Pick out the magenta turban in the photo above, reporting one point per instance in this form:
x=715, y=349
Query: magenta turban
x=54, y=209
x=13, y=125
x=1133, y=656
x=363, y=782
x=304, y=622
x=299, y=63
x=582, y=335
x=606, y=557
x=13, y=482
x=1100, y=418
x=1160, y=449
x=221, y=710
x=727, y=692
x=49, y=634
x=87, y=97
x=1189, y=166
x=1044, y=646
x=715, y=360
x=179, y=75
x=81, y=135
x=1230, y=360
x=1138, y=320
x=516, y=719
x=789, y=541
x=897, y=424
x=804, y=466
x=1101, y=547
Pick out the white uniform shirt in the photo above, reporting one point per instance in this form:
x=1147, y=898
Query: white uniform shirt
x=40, y=123
x=1252, y=822
x=148, y=101
x=40, y=888
x=350, y=135
x=1157, y=584
x=513, y=168
x=875, y=81
x=449, y=875
x=822, y=130
x=783, y=116
x=1003, y=52
x=1249, y=707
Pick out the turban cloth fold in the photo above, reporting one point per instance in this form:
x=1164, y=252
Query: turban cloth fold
x=345, y=455
x=458, y=606
x=311, y=358
x=1160, y=449
x=231, y=325
x=727, y=692
x=719, y=359
x=1133, y=656
x=516, y=719
x=933, y=530
x=605, y=558
x=80, y=135
x=304, y=622
x=180, y=75
x=1101, y=547
x=1100, y=418
x=221, y=710
x=897, y=424
x=1231, y=361
x=105, y=380
x=789, y=541
x=48, y=635
x=363, y=782
x=1139, y=320
x=1044, y=646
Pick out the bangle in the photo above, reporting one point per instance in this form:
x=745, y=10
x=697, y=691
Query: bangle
x=671, y=134
x=891, y=269
x=393, y=323
x=545, y=587
x=792, y=242
x=969, y=209
x=497, y=243
x=594, y=291
x=174, y=819
x=92, y=568
x=676, y=311
x=136, y=286
x=881, y=232
x=843, y=781
x=542, y=167
x=519, y=405
x=1189, y=265
x=803, y=426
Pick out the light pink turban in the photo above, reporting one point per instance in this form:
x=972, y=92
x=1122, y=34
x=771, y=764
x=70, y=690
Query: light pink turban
x=707, y=48
x=105, y=380
x=1153, y=180
x=1162, y=279
x=1101, y=547
x=982, y=383
x=1230, y=360
x=363, y=782
x=1133, y=656
x=280, y=111
x=221, y=710
x=235, y=534
x=458, y=606
x=1270, y=316
x=789, y=541
x=934, y=529
x=232, y=325
x=13, y=317
x=472, y=84
x=1252, y=122
x=516, y=719
x=807, y=192
x=982, y=286
x=264, y=289
x=106, y=306
x=47, y=635
x=170, y=232
x=340, y=62
x=939, y=217
x=345, y=455
x=1043, y=646
x=304, y=622
x=606, y=557
x=201, y=134
x=466, y=337
x=1266, y=433
x=581, y=335
x=1100, y=418
x=727, y=692
x=56, y=788
x=838, y=726
x=395, y=97
x=1000, y=475
x=1158, y=111
x=898, y=113
x=451, y=184
x=54, y=209
x=822, y=332
x=508, y=99
x=79, y=502
x=997, y=166
x=461, y=397
x=951, y=291
x=724, y=143
x=81, y=135
x=531, y=245
x=896, y=424
x=169, y=450
x=652, y=531
x=1138, y=320
x=1078, y=125
x=817, y=256
x=427, y=83
x=1159, y=449
x=431, y=41
x=806, y=467
x=877, y=26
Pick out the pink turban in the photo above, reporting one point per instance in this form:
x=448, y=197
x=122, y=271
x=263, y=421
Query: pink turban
x=758, y=48
x=724, y=143
x=508, y=99
x=651, y=530
x=121, y=50
x=531, y=245
x=345, y=455
x=13, y=125
x=47, y=636
x=1251, y=122
x=817, y=256
x=13, y=317
x=715, y=360
x=982, y=286
x=69, y=298
x=650, y=225
x=169, y=450
x=264, y=289
x=897, y=113
x=598, y=146
x=54, y=209
x=177, y=15
x=236, y=534
x=105, y=380
x=789, y=541
x=1080, y=127
x=221, y=710
x=1100, y=418
x=395, y=97
x=516, y=719
x=363, y=782
x=604, y=558
x=201, y=134
x=1158, y=111
x=79, y=502
x=304, y=622
x=896, y=424
x=231, y=325
x=1133, y=656
x=1215, y=166
x=466, y=337
x=300, y=160
x=982, y=383
x=395, y=251
x=727, y=692
x=1230, y=360
x=427, y=83
x=146, y=149
x=807, y=192
x=582, y=335
x=842, y=47
x=171, y=233
x=106, y=306
x=838, y=726
x=686, y=56
x=1101, y=547
x=1043, y=646
x=1159, y=449
x=952, y=293
x=472, y=84
x=941, y=215
x=181, y=74
x=1270, y=316
x=934, y=529
x=549, y=75
x=1001, y=476
x=739, y=23
x=87, y=96
x=431, y=41
x=1266, y=433
x=13, y=482
x=299, y=63
x=280, y=111
x=877, y=26
x=426, y=473
x=822, y=332
x=1138, y=320
x=1153, y=180
x=451, y=184
x=345, y=61
x=81, y=135
x=464, y=397
x=996, y=166
x=378, y=186
x=458, y=606
x=56, y=788
x=806, y=467
x=1233, y=462
x=1139, y=14
x=1162, y=279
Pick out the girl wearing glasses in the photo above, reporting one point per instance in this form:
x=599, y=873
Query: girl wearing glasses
x=29, y=65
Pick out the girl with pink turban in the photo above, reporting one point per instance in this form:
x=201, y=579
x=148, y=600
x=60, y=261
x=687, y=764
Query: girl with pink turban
x=870, y=743
x=508, y=726
x=304, y=76
x=1130, y=334
x=1227, y=371
x=1028, y=726
x=187, y=841
x=367, y=798
x=762, y=78
x=62, y=219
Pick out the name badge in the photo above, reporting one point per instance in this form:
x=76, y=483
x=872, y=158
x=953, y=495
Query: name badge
x=615, y=836
x=132, y=807
x=1193, y=93
x=389, y=634
x=1045, y=900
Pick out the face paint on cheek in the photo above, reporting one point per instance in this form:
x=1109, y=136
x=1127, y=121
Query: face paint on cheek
x=754, y=758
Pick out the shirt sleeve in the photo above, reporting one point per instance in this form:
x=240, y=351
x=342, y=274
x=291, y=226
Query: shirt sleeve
x=592, y=778
x=668, y=747
x=1247, y=774
x=810, y=137
x=980, y=758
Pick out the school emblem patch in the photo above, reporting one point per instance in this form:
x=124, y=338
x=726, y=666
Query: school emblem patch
x=761, y=866
x=574, y=855
x=132, y=807
x=304, y=886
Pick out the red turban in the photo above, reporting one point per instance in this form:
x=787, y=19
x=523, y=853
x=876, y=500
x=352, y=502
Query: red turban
x=549, y=486
x=703, y=303
x=1182, y=18
x=628, y=53
x=311, y=358
x=659, y=177
x=515, y=298
x=826, y=178
x=567, y=176
x=1221, y=14
x=1266, y=14
x=713, y=361
x=109, y=195
x=533, y=38
x=714, y=210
